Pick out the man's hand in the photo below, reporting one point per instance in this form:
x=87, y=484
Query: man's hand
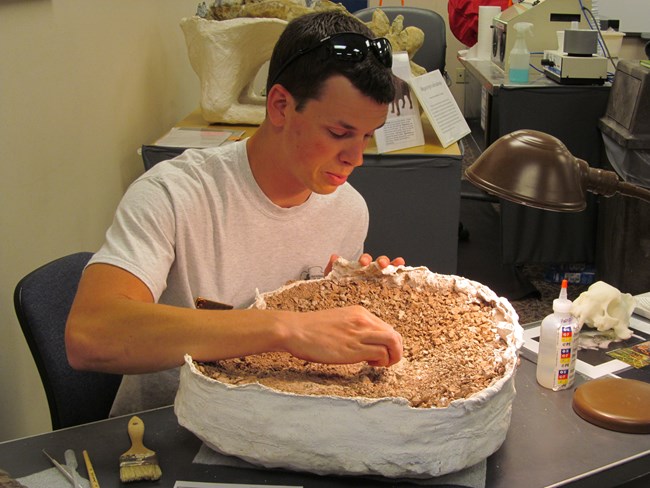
x=365, y=260
x=344, y=336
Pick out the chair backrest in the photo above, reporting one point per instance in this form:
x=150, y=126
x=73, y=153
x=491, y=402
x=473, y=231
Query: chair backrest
x=431, y=55
x=42, y=300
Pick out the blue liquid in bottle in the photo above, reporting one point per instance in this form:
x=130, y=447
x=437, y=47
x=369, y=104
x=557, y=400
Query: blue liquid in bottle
x=518, y=75
x=520, y=56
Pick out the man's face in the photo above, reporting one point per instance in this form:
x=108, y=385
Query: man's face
x=327, y=138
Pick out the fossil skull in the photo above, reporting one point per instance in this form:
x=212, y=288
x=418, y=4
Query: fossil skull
x=605, y=308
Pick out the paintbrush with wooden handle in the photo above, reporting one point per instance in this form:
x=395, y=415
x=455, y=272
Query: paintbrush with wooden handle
x=138, y=463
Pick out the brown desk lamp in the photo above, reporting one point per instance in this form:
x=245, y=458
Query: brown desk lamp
x=535, y=169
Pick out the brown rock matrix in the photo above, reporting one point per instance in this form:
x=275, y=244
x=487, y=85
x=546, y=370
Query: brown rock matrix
x=452, y=348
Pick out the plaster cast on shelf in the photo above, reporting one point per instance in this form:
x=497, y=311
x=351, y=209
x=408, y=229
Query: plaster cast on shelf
x=226, y=56
x=229, y=47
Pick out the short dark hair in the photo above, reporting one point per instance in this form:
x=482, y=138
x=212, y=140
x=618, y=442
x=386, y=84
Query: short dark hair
x=305, y=77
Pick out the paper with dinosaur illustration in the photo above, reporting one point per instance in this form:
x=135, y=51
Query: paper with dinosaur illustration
x=403, y=127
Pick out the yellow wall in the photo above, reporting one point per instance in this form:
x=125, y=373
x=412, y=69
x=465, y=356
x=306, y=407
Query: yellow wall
x=82, y=85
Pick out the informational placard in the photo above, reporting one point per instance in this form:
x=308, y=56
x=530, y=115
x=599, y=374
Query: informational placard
x=403, y=127
x=440, y=107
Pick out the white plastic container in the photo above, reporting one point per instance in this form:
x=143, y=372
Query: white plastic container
x=519, y=60
x=558, y=345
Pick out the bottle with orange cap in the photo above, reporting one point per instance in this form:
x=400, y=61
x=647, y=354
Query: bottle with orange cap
x=558, y=345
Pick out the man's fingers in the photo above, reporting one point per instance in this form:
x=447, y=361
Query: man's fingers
x=389, y=347
x=365, y=259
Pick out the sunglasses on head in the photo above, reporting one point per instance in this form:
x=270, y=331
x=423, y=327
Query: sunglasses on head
x=347, y=46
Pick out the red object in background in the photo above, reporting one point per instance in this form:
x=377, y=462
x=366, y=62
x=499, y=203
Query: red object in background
x=463, y=18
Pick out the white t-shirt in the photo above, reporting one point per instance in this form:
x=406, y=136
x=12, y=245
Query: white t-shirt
x=199, y=225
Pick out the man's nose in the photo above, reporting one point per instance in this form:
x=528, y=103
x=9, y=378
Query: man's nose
x=353, y=153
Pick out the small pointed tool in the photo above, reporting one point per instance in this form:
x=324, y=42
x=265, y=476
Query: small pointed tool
x=61, y=469
x=138, y=463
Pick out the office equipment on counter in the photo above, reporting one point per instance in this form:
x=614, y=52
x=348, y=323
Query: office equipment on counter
x=577, y=63
x=547, y=17
x=575, y=70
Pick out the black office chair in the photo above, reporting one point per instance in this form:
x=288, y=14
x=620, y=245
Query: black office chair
x=431, y=56
x=42, y=300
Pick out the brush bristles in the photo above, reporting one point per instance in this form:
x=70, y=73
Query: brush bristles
x=136, y=469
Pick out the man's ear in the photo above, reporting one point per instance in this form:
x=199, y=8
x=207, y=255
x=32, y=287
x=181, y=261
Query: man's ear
x=278, y=100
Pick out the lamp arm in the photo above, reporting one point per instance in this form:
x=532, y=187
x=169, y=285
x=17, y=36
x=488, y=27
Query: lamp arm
x=607, y=183
x=635, y=191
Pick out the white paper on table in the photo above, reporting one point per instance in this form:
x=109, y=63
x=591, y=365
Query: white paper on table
x=403, y=127
x=440, y=107
x=197, y=137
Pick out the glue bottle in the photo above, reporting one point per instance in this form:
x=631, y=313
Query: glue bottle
x=558, y=345
x=520, y=55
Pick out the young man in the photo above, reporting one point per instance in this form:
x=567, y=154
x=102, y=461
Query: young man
x=223, y=222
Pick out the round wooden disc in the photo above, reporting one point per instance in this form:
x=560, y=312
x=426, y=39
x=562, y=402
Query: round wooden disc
x=615, y=404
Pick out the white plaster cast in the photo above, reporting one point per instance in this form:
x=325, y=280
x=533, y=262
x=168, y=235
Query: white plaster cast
x=226, y=55
x=356, y=436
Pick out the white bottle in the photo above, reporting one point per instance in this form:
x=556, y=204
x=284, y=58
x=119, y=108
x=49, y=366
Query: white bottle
x=558, y=345
x=519, y=60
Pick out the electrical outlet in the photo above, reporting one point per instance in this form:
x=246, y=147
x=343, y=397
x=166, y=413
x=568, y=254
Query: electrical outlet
x=460, y=76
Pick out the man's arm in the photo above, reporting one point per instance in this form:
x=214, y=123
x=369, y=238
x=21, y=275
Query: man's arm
x=114, y=326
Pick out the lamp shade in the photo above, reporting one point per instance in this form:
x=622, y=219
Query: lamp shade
x=531, y=168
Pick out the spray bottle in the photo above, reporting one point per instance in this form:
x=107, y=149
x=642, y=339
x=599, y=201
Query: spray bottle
x=558, y=345
x=520, y=55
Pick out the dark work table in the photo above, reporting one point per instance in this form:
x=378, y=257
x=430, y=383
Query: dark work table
x=547, y=445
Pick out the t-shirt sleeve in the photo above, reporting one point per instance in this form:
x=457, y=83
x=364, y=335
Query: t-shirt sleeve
x=141, y=238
